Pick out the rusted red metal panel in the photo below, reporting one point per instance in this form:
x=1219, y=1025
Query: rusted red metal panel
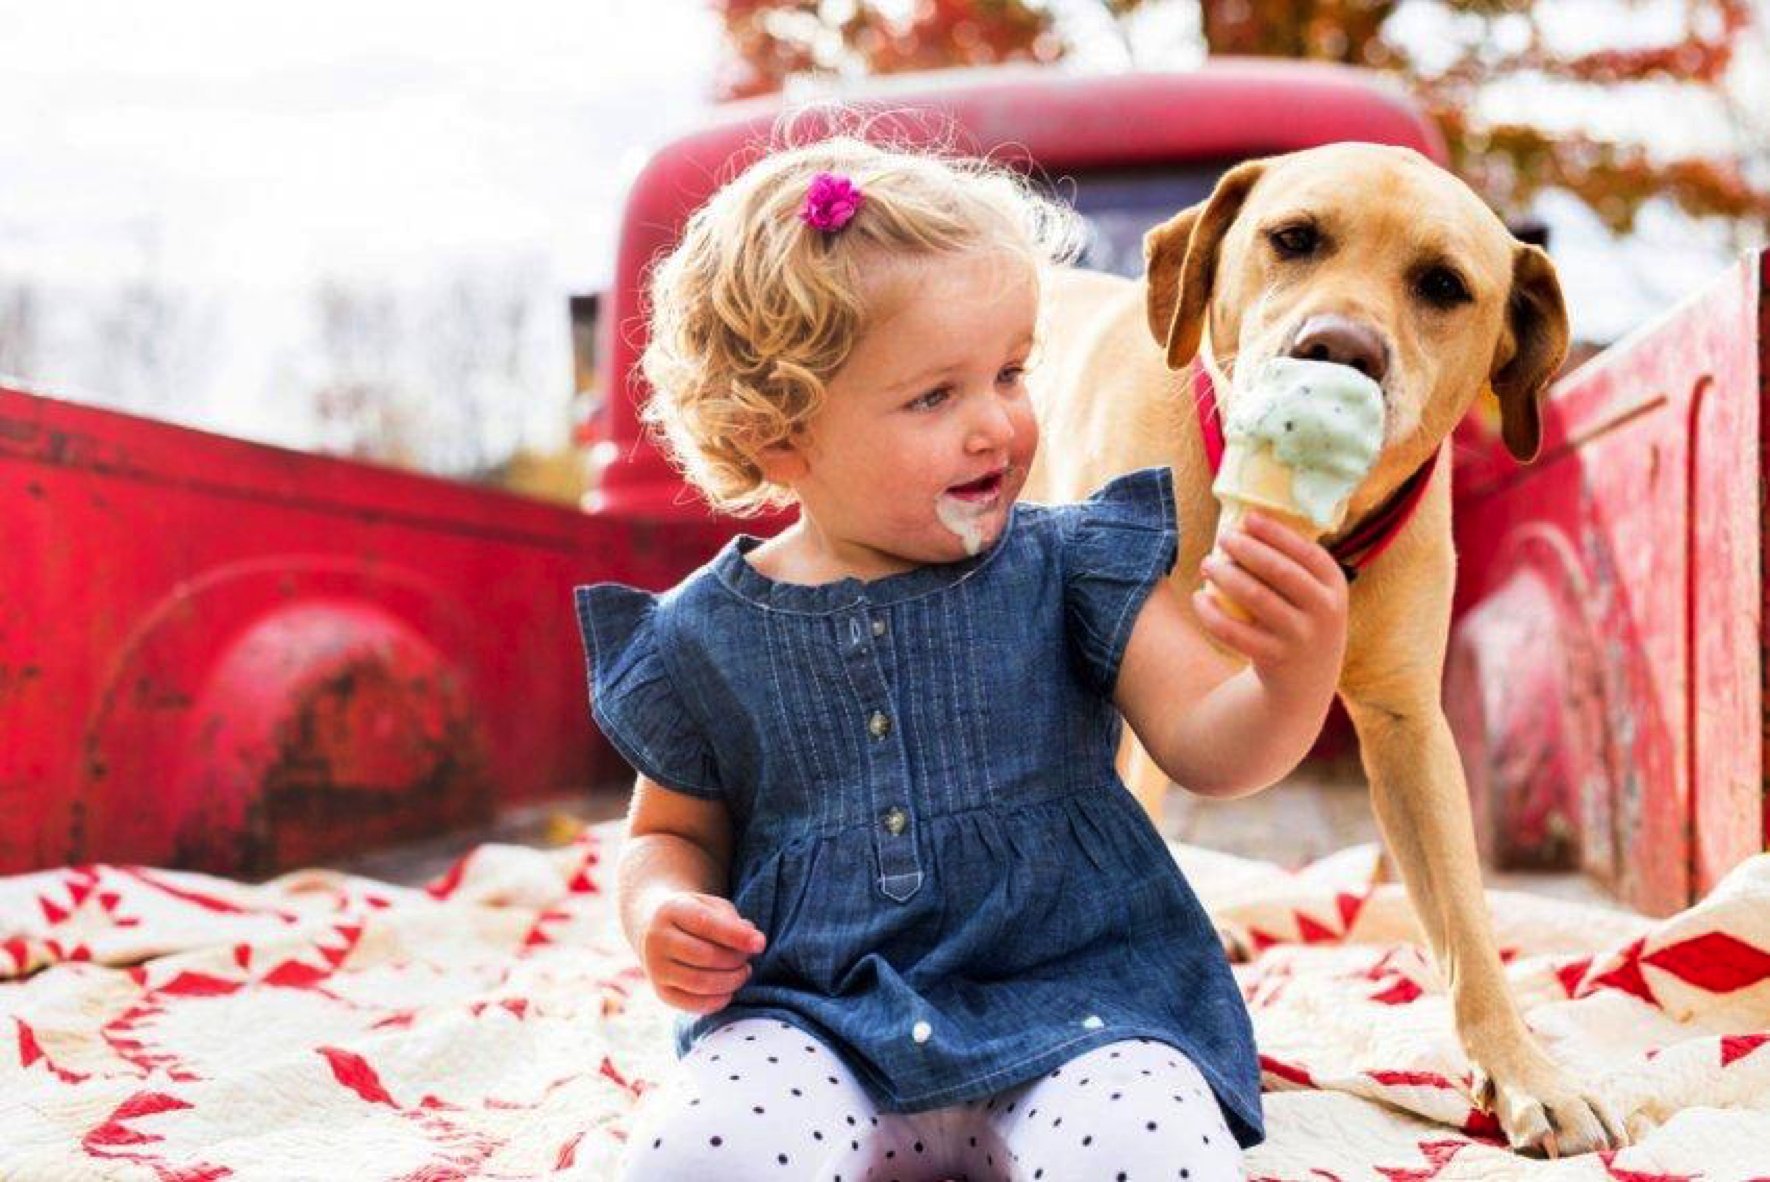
x=1726, y=582
x=1063, y=124
x=1606, y=665
x=223, y=655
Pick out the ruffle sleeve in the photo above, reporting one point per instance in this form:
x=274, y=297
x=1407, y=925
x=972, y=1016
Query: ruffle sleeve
x=631, y=695
x=1116, y=545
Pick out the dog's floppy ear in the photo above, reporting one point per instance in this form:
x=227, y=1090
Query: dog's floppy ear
x=1537, y=319
x=1164, y=253
x=1180, y=258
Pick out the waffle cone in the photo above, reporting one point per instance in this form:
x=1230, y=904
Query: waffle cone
x=1253, y=478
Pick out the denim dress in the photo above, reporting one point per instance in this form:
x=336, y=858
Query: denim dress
x=959, y=892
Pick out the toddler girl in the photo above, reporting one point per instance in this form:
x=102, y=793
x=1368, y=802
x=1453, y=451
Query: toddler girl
x=877, y=847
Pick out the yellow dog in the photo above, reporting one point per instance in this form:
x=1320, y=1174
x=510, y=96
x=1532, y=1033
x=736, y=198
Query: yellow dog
x=1374, y=257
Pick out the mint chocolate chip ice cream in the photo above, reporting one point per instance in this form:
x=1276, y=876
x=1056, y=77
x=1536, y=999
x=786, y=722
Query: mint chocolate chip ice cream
x=1321, y=421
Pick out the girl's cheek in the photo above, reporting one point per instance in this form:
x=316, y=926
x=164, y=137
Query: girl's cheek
x=1026, y=436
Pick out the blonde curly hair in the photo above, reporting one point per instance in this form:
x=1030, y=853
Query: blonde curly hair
x=754, y=310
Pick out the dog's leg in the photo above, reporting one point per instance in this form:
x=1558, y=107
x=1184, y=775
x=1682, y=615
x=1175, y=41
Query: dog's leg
x=1422, y=807
x=1392, y=690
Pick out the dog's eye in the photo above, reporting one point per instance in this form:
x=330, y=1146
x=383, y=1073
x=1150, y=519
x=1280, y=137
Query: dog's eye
x=1295, y=241
x=1443, y=287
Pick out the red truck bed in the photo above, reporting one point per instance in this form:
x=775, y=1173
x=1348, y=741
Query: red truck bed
x=1605, y=675
x=221, y=655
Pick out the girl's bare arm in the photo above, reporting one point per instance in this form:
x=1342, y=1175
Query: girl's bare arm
x=1217, y=730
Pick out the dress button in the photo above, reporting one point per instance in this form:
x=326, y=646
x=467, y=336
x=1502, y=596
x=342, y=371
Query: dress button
x=921, y=1031
x=878, y=627
x=879, y=725
x=896, y=820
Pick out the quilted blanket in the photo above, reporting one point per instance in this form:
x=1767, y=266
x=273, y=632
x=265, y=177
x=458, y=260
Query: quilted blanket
x=176, y=1027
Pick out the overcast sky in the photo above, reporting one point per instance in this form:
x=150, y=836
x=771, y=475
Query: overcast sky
x=268, y=140
x=241, y=152
x=237, y=154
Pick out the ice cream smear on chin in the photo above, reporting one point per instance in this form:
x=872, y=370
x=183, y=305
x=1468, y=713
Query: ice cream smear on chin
x=964, y=508
x=1314, y=426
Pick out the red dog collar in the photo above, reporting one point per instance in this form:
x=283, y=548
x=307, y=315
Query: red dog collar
x=1371, y=536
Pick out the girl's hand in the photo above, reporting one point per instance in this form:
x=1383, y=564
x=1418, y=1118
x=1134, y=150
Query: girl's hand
x=1297, y=596
x=696, y=950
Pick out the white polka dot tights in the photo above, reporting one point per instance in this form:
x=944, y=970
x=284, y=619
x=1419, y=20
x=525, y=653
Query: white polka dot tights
x=759, y=1099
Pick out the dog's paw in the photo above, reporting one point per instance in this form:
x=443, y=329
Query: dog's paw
x=1542, y=1110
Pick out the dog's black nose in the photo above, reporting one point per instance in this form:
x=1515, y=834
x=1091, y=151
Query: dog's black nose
x=1343, y=342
